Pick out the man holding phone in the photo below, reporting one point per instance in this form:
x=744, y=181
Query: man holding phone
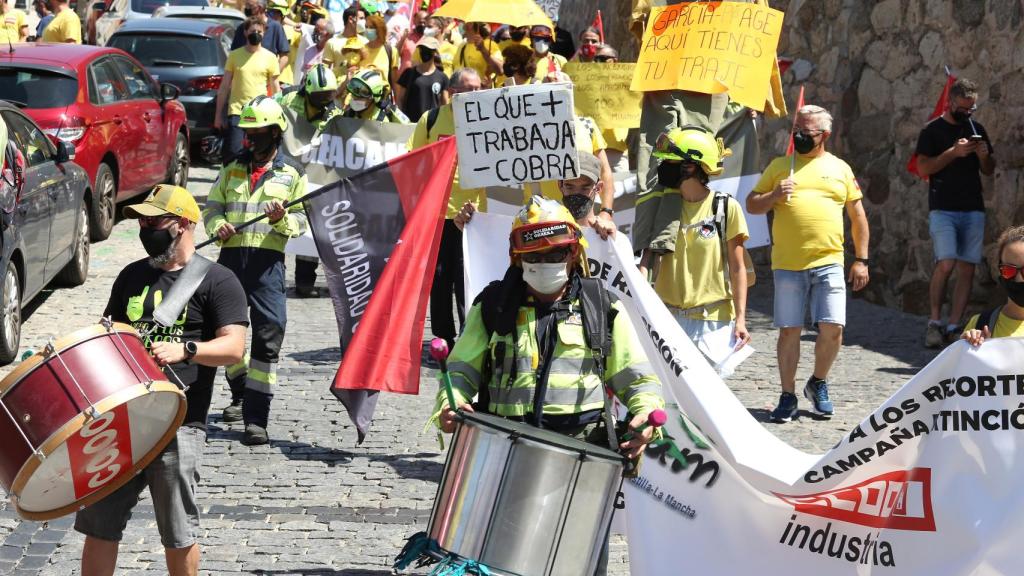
x=953, y=151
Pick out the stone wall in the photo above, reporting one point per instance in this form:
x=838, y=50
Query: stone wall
x=877, y=65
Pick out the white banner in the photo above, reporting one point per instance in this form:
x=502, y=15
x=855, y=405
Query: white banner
x=551, y=8
x=926, y=484
x=517, y=134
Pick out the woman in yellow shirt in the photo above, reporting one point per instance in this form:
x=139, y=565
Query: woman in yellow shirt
x=480, y=52
x=1008, y=318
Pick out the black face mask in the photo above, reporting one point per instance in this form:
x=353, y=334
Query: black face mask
x=248, y=12
x=320, y=100
x=517, y=35
x=579, y=205
x=156, y=241
x=961, y=117
x=426, y=54
x=672, y=174
x=316, y=37
x=254, y=38
x=1015, y=290
x=803, y=143
x=261, y=144
x=420, y=28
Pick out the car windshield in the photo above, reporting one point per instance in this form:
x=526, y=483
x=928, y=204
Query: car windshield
x=225, y=20
x=37, y=88
x=168, y=50
x=147, y=6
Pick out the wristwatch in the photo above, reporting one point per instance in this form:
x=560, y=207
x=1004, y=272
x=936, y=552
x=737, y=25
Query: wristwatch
x=608, y=210
x=191, y=349
x=864, y=261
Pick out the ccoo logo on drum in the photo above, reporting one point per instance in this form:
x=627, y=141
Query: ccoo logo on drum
x=101, y=451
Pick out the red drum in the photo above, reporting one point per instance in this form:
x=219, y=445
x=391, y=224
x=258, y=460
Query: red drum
x=82, y=417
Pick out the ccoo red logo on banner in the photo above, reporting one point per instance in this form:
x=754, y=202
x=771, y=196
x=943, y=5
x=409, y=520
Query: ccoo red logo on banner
x=900, y=500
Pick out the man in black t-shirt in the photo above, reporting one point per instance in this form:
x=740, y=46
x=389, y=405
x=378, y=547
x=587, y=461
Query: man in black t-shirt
x=210, y=332
x=953, y=150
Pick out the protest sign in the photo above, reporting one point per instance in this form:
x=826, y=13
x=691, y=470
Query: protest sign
x=927, y=483
x=601, y=91
x=550, y=7
x=517, y=134
x=710, y=47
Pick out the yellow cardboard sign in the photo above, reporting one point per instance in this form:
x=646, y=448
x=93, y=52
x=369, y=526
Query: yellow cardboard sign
x=602, y=92
x=710, y=47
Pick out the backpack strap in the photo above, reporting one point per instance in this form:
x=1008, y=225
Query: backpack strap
x=989, y=318
x=391, y=70
x=598, y=321
x=720, y=211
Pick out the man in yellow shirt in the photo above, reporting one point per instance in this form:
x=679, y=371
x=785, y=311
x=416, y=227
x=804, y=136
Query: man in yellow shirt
x=65, y=26
x=250, y=71
x=13, y=27
x=808, y=193
x=433, y=126
x=480, y=52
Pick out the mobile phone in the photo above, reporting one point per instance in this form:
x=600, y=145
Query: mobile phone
x=976, y=137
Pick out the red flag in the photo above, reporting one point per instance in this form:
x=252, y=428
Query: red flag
x=599, y=24
x=799, y=105
x=940, y=107
x=378, y=234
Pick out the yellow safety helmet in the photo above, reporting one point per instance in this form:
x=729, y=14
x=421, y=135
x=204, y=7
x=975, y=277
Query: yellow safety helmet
x=319, y=78
x=281, y=6
x=262, y=111
x=544, y=223
x=693, y=144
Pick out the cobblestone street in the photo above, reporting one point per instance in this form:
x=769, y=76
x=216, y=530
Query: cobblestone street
x=312, y=502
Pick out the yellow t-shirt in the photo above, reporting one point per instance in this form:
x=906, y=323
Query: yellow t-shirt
x=807, y=230
x=694, y=275
x=445, y=126
x=10, y=26
x=65, y=26
x=588, y=139
x=334, y=57
x=250, y=74
x=378, y=58
x=1006, y=327
x=544, y=64
x=287, y=75
x=467, y=56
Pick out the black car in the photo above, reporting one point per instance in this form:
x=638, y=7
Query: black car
x=44, y=220
x=185, y=52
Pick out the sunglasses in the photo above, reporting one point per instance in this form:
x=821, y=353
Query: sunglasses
x=556, y=256
x=155, y=221
x=809, y=133
x=603, y=58
x=1009, y=271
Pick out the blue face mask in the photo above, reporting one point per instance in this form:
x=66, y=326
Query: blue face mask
x=371, y=34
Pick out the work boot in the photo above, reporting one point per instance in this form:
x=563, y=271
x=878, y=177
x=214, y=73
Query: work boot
x=255, y=435
x=933, y=337
x=233, y=413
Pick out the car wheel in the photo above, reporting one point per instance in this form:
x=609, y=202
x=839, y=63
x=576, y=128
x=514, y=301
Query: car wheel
x=104, y=201
x=177, y=172
x=10, y=323
x=77, y=270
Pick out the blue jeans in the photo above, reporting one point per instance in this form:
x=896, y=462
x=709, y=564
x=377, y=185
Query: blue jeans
x=824, y=285
x=957, y=235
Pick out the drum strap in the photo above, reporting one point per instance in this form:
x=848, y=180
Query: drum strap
x=192, y=275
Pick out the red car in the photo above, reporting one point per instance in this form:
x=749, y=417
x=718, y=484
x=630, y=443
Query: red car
x=129, y=132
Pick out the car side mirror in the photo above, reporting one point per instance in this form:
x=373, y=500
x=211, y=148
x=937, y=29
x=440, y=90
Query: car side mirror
x=99, y=7
x=65, y=152
x=168, y=92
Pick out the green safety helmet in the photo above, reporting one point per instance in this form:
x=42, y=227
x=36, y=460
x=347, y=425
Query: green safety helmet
x=319, y=78
x=262, y=111
x=368, y=83
x=692, y=144
x=371, y=7
x=281, y=6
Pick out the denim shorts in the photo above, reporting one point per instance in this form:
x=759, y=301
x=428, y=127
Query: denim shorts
x=827, y=290
x=957, y=235
x=172, y=478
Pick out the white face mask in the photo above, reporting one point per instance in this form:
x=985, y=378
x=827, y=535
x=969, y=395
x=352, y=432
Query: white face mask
x=541, y=46
x=430, y=32
x=360, y=26
x=359, y=105
x=546, y=278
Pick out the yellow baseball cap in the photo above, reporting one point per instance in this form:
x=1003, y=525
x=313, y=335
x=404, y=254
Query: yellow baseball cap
x=165, y=200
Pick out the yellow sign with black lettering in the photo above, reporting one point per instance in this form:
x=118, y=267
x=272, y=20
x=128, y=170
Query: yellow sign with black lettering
x=602, y=92
x=710, y=47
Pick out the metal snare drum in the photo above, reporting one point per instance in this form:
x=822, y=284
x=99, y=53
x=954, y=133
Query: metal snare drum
x=524, y=501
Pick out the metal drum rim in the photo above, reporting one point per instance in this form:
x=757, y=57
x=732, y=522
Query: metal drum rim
x=73, y=426
x=584, y=448
x=63, y=343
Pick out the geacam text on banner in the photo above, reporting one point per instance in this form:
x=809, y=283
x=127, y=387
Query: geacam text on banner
x=602, y=92
x=515, y=134
x=710, y=47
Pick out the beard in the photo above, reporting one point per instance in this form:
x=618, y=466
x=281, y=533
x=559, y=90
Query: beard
x=164, y=259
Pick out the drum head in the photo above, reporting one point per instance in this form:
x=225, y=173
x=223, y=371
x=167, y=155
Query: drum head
x=88, y=459
x=548, y=437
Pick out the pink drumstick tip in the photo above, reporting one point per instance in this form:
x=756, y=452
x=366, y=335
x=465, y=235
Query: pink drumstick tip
x=438, y=349
x=657, y=418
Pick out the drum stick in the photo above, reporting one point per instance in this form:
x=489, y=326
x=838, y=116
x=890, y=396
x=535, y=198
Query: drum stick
x=439, y=352
x=656, y=419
